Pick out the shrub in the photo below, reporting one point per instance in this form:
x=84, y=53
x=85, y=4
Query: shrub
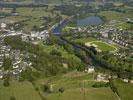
x=100, y=84
x=46, y=88
x=6, y=83
x=61, y=90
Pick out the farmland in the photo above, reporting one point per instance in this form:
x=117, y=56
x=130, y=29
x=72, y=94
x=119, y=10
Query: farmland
x=20, y=90
x=124, y=89
x=73, y=88
x=117, y=19
x=38, y=17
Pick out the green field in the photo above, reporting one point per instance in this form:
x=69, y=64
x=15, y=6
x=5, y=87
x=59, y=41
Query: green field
x=34, y=16
x=100, y=45
x=77, y=94
x=20, y=90
x=117, y=19
x=115, y=15
x=71, y=82
x=103, y=46
x=73, y=88
x=125, y=90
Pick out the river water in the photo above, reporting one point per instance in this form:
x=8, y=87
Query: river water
x=92, y=20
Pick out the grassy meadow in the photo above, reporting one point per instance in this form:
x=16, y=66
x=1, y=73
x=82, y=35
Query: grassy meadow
x=125, y=90
x=117, y=19
x=33, y=16
x=103, y=46
x=72, y=83
x=20, y=90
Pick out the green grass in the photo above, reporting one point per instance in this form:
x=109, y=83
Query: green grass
x=101, y=45
x=33, y=15
x=90, y=94
x=125, y=90
x=73, y=88
x=21, y=91
x=104, y=46
x=118, y=18
x=113, y=15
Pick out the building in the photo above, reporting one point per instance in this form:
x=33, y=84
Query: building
x=2, y=26
x=90, y=69
x=102, y=77
x=35, y=36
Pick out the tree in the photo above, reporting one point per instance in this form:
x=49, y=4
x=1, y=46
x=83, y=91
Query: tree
x=35, y=28
x=69, y=48
x=55, y=52
x=52, y=40
x=46, y=88
x=6, y=83
x=61, y=90
x=80, y=53
x=7, y=63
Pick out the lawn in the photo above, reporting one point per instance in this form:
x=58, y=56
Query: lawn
x=102, y=46
x=73, y=88
x=125, y=90
x=20, y=90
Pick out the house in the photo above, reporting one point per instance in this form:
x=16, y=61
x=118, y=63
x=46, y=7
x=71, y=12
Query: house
x=90, y=69
x=102, y=77
x=1, y=74
x=1, y=63
x=131, y=81
x=35, y=36
x=3, y=25
x=125, y=80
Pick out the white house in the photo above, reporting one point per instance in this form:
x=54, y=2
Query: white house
x=1, y=74
x=102, y=77
x=3, y=25
x=90, y=69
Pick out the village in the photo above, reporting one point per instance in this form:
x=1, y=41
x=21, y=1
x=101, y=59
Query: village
x=19, y=60
x=122, y=38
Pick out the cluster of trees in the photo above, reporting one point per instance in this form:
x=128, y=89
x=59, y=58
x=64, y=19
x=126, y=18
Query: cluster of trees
x=6, y=82
x=114, y=63
x=46, y=64
x=7, y=63
x=47, y=89
x=100, y=84
x=73, y=10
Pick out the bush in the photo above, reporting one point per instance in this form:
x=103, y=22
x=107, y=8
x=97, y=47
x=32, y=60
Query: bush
x=100, y=84
x=6, y=83
x=61, y=90
x=46, y=88
x=55, y=52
